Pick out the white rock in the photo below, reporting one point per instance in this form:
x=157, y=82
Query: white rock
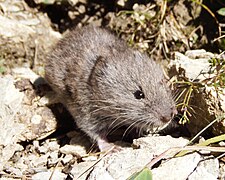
x=53, y=146
x=199, y=53
x=53, y=158
x=73, y=149
x=159, y=144
x=56, y=175
x=9, y=150
x=78, y=169
x=36, y=119
x=18, y=120
x=193, y=68
x=40, y=161
x=207, y=169
x=14, y=28
x=177, y=168
x=90, y=158
x=123, y=164
x=101, y=173
x=22, y=72
x=42, y=149
x=10, y=105
x=14, y=171
x=67, y=158
x=119, y=165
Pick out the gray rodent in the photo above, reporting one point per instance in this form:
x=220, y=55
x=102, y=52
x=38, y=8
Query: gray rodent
x=106, y=84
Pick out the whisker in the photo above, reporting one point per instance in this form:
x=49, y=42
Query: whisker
x=115, y=121
x=146, y=124
x=111, y=105
x=130, y=126
x=111, y=108
x=118, y=125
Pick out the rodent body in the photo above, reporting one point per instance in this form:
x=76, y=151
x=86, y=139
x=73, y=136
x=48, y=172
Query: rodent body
x=106, y=84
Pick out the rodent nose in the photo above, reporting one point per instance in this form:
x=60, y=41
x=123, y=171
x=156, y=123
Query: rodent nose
x=168, y=118
x=165, y=119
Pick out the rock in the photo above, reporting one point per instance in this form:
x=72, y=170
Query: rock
x=25, y=36
x=7, y=152
x=20, y=120
x=194, y=67
x=207, y=169
x=67, y=158
x=53, y=146
x=123, y=164
x=79, y=168
x=39, y=121
x=100, y=172
x=10, y=105
x=53, y=159
x=24, y=73
x=22, y=165
x=152, y=143
x=198, y=54
x=56, y=175
x=117, y=165
x=73, y=150
x=13, y=171
x=181, y=167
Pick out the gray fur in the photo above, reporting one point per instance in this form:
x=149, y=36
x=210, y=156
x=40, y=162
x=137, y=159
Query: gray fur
x=95, y=74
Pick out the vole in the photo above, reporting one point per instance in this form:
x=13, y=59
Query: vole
x=105, y=84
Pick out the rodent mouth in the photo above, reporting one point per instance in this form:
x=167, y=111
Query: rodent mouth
x=157, y=127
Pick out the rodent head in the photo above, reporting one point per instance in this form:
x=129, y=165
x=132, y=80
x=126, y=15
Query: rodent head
x=130, y=89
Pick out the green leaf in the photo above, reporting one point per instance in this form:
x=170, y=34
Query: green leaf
x=221, y=11
x=144, y=174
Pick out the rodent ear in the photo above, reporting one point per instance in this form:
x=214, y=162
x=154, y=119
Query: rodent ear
x=97, y=70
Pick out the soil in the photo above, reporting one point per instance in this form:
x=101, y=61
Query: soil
x=144, y=25
x=36, y=140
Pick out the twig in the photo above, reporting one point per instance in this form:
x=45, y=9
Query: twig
x=175, y=150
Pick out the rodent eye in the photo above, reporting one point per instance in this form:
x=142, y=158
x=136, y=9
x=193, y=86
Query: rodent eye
x=139, y=94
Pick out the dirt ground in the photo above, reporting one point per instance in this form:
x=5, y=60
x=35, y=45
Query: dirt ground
x=159, y=28
x=37, y=135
